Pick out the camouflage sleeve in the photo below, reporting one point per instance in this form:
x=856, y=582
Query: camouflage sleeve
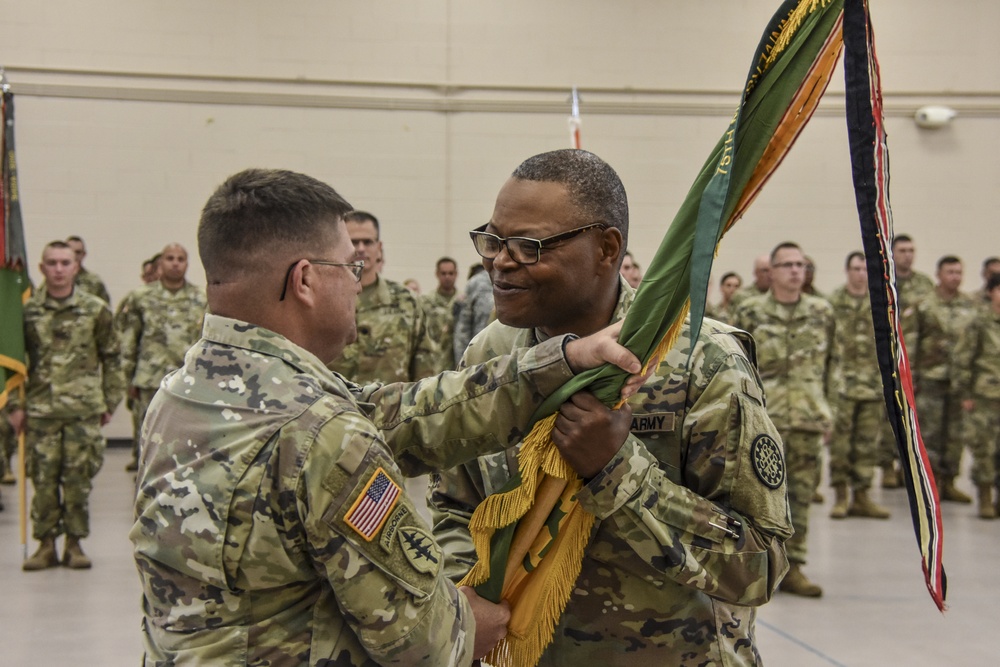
x=454, y=496
x=834, y=377
x=962, y=360
x=444, y=420
x=109, y=353
x=379, y=557
x=723, y=533
x=910, y=322
x=463, y=328
x=129, y=325
x=426, y=353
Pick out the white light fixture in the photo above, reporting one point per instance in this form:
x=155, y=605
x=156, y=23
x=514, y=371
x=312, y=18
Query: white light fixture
x=934, y=117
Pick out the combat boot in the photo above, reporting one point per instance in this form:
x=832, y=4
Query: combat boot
x=818, y=498
x=44, y=558
x=840, y=503
x=74, y=557
x=864, y=506
x=8, y=478
x=891, y=477
x=986, y=508
x=797, y=583
x=950, y=493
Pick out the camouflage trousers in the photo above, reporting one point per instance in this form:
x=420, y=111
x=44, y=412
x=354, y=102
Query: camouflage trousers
x=8, y=441
x=854, y=444
x=63, y=457
x=802, y=459
x=138, y=407
x=940, y=414
x=981, y=431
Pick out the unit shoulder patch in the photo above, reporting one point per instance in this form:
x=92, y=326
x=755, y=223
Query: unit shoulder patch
x=422, y=552
x=768, y=463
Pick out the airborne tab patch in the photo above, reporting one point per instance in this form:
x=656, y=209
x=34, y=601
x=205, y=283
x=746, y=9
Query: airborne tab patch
x=421, y=550
x=768, y=463
x=374, y=504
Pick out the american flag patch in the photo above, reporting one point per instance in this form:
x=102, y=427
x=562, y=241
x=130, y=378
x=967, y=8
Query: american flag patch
x=373, y=505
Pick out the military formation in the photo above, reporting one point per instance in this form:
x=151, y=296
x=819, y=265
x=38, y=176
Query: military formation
x=306, y=472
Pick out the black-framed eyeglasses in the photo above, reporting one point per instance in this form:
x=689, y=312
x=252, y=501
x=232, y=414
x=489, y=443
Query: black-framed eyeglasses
x=355, y=267
x=521, y=249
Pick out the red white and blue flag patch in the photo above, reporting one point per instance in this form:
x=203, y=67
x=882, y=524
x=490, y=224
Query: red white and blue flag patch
x=373, y=506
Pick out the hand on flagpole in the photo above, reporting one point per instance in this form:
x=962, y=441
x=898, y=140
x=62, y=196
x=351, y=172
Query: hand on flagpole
x=491, y=621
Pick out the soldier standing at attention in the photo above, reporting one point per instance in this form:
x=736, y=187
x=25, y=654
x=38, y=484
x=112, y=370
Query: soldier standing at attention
x=475, y=311
x=976, y=381
x=393, y=344
x=74, y=385
x=688, y=490
x=270, y=523
x=795, y=348
x=85, y=280
x=931, y=328
x=860, y=406
x=159, y=323
x=438, y=310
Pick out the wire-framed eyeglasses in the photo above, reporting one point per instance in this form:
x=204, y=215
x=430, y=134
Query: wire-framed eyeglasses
x=355, y=267
x=521, y=249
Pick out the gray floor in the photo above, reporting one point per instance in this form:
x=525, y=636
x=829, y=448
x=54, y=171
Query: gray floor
x=875, y=611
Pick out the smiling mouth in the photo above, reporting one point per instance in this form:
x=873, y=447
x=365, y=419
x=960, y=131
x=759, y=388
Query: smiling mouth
x=506, y=289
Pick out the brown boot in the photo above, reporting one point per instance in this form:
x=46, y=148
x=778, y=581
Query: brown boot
x=950, y=493
x=818, y=498
x=891, y=477
x=840, y=503
x=797, y=583
x=864, y=506
x=986, y=508
x=44, y=558
x=8, y=478
x=74, y=557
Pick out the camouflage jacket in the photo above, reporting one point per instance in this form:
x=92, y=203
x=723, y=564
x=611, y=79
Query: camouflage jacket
x=392, y=345
x=74, y=369
x=92, y=284
x=795, y=356
x=438, y=313
x=976, y=372
x=854, y=347
x=691, y=513
x=931, y=328
x=157, y=327
x=913, y=290
x=271, y=525
x=475, y=312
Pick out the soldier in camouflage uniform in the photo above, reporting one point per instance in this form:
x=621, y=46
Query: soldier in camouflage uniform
x=860, y=406
x=158, y=324
x=393, y=344
x=761, y=281
x=912, y=287
x=794, y=334
x=475, y=312
x=8, y=447
x=74, y=385
x=991, y=267
x=270, y=524
x=976, y=382
x=931, y=328
x=438, y=309
x=85, y=280
x=687, y=484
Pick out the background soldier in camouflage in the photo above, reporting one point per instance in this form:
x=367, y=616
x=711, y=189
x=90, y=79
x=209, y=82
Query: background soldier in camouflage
x=931, y=328
x=270, y=524
x=85, y=280
x=860, y=407
x=393, y=344
x=761, y=280
x=74, y=385
x=475, y=312
x=991, y=267
x=8, y=447
x=687, y=484
x=794, y=334
x=438, y=309
x=976, y=382
x=158, y=324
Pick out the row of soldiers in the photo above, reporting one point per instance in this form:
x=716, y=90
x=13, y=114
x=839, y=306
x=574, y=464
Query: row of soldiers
x=82, y=360
x=818, y=362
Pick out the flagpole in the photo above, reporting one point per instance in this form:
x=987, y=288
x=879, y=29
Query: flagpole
x=574, y=120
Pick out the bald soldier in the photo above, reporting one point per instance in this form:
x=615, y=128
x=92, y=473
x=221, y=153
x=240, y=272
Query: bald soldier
x=271, y=527
x=158, y=323
x=687, y=482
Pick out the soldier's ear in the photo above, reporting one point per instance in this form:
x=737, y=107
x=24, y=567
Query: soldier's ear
x=612, y=247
